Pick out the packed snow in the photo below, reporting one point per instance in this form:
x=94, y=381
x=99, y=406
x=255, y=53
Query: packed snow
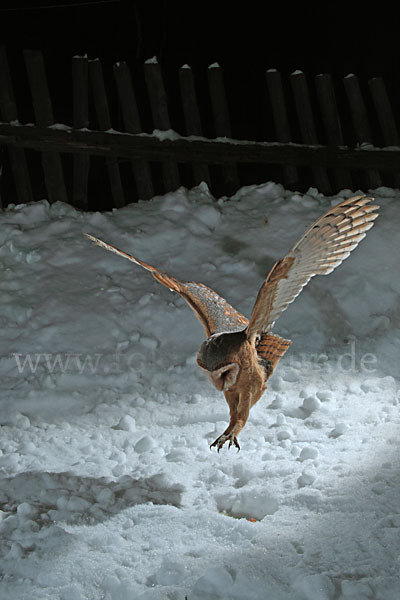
x=109, y=489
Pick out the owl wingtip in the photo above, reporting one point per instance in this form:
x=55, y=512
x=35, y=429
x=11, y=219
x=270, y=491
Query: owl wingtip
x=92, y=238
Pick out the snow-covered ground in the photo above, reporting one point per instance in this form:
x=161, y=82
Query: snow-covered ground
x=108, y=487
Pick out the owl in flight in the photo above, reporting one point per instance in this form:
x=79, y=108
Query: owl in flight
x=240, y=354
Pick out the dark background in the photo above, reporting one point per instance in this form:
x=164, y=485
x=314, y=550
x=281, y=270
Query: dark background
x=322, y=36
x=246, y=39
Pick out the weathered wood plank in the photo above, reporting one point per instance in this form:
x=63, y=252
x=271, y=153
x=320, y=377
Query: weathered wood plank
x=307, y=125
x=161, y=121
x=332, y=124
x=104, y=121
x=281, y=120
x=8, y=110
x=186, y=150
x=384, y=111
x=191, y=114
x=7, y=99
x=42, y=104
x=360, y=122
x=80, y=99
x=385, y=116
x=132, y=124
x=222, y=122
x=43, y=109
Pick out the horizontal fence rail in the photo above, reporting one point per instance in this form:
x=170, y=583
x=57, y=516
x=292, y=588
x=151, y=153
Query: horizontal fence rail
x=327, y=134
x=217, y=151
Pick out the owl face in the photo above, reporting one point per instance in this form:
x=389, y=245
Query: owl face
x=225, y=377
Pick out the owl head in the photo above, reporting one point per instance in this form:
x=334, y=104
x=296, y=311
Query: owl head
x=219, y=358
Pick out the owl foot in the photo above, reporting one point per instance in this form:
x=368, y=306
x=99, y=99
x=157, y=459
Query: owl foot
x=220, y=441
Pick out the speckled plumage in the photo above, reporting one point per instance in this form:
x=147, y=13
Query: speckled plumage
x=240, y=355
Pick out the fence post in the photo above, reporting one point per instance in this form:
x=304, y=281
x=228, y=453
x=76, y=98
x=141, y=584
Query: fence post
x=159, y=111
x=307, y=125
x=360, y=122
x=191, y=114
x=281, y=120
x=8, y=110
x=222, y=122
x=81, y=162
x=131, y=119
x=104, y=120
x=51, y=161
x=333, y=128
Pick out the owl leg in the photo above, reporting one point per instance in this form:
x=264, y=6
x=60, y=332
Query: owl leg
x=239, y=407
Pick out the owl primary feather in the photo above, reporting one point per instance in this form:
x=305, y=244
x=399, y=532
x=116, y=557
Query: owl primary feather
x=240, y=354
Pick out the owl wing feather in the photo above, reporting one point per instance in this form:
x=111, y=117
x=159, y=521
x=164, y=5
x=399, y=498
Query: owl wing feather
x=270, y=348
x=213, y=311
x=319, y=251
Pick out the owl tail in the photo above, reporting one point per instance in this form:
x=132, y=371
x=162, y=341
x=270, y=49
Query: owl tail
x=271, y=348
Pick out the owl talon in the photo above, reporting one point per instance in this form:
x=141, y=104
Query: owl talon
x=220, y=441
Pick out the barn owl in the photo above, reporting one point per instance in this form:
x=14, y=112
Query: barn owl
x=240, y=354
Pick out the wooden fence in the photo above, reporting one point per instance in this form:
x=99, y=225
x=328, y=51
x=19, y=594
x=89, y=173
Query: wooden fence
x=316, y=143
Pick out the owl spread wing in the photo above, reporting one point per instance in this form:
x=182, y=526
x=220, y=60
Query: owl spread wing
x=318, y=252
x=213, y=311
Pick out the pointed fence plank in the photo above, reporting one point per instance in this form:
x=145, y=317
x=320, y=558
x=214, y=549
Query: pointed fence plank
x=43, y=109
x=132, y=124
x=222, y=122
x=7, y=98
x=307, y=125
x=104, y=122
x=159, y=111
x=281, y=120
x=384, y=111
x=80, y=96
x=360, y=122
x=8, y=110
x=332, y=124
x=385, y=116
x=191, y=114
